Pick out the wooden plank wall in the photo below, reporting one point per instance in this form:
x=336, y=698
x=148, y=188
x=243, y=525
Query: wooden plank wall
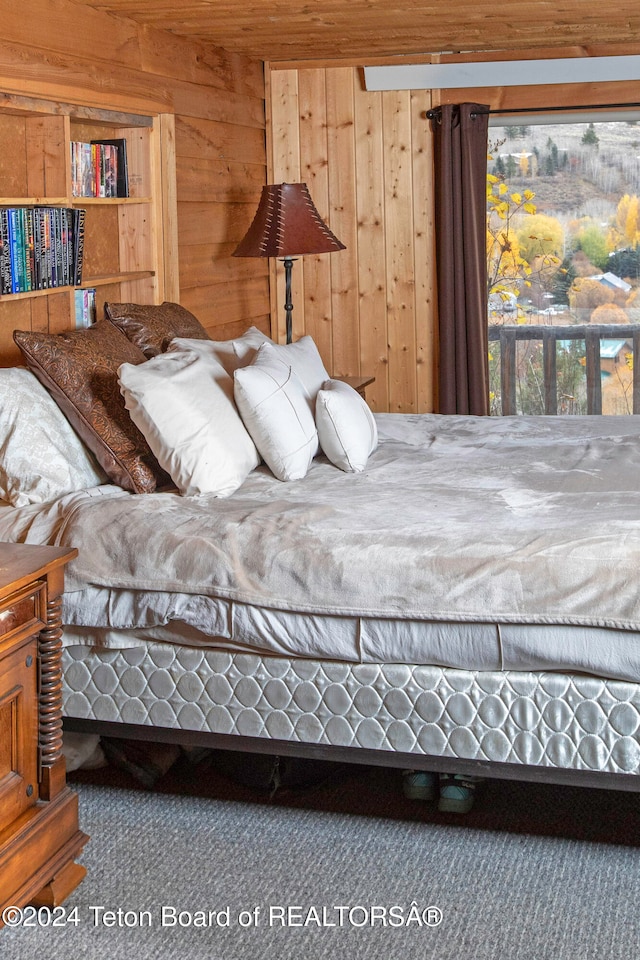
x=220, y=171
x=367, y=159
x=218, y=101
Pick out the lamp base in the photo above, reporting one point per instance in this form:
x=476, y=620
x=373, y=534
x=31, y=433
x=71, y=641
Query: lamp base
x=288, y=305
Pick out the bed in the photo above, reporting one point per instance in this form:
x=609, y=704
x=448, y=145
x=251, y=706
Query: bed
x=458, y=594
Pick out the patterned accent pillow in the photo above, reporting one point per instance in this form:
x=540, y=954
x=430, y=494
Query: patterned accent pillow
x=80, y=371
x=152, y=327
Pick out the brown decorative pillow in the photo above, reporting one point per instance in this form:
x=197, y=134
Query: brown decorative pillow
x=152, y=327
x=80, y=371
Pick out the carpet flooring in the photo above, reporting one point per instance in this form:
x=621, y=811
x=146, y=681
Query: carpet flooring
x=202, y=867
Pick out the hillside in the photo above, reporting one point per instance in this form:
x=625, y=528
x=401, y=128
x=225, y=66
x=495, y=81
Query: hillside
x=571, y=178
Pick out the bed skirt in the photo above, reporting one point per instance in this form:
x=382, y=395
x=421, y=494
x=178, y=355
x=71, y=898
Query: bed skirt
x=524, y=725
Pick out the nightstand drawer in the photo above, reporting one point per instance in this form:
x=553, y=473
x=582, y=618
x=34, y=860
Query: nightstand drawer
x=19, y=724
x=22, y=614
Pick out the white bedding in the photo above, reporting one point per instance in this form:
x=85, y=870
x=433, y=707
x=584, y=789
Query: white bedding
x=473, y=542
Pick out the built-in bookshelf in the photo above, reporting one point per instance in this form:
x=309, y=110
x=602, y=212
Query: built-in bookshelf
x=112, y=241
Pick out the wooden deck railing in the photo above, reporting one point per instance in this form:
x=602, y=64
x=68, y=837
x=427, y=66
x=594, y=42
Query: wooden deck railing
x=592, y=335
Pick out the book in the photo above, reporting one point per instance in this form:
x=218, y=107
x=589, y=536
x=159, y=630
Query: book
x=79, y=216
x=45, y=248
x=29, y=250
x=5, y=253
x=15, y=241
x=36, y=217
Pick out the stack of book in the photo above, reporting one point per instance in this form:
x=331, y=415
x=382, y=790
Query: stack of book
x=40, y=247
x=99, y=168
x=85, y=307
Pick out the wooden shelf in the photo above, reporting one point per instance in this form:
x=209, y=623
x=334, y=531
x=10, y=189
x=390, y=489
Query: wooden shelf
x=29, y=294
x=100, y=281
x=70, y=202
x=107, y=201
x=34, y=202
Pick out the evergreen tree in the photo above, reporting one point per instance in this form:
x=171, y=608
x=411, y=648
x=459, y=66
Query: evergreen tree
x=562, y=281
x=625, y=264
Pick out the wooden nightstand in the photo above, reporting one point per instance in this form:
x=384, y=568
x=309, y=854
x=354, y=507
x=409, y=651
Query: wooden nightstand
x=39, y=835
x=359, y=384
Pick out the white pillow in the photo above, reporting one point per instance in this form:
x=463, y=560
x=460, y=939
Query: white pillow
x=41, y=456
x=346, y=427
x=230, y=353
x=183, y=405
x=276, y=412
x=304, y=359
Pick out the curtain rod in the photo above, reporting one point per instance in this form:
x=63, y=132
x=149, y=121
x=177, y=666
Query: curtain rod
x=432, y=114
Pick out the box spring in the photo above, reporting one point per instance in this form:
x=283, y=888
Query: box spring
x=523, y=725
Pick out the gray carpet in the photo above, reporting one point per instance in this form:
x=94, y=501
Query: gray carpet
x=534, y=872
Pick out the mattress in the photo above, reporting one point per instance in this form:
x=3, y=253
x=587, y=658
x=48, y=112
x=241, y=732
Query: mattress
x=523, y=718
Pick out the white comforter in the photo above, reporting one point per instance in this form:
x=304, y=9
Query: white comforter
x=455, y=520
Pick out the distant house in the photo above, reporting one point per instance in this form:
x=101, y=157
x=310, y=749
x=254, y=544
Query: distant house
x=612, y=353
x=614, y=283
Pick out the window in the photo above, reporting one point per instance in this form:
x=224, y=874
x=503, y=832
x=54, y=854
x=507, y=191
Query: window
x=563, y=252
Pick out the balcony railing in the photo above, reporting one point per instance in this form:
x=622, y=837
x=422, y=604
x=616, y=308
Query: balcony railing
x=592, y=335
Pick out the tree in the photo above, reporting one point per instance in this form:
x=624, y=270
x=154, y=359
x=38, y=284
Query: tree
x=592, y=241
x=541, y=236
x=562, y=281
x=523, y=164
x=625, y=231
x=632, y=306
x=507, y=270
x=582, y=265
x=498, y=167
x=625, y=263
x=590, y=137
x=586, y=294
x=609, y=313
x=551, y=160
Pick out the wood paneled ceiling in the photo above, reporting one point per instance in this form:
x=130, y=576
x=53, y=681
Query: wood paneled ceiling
x=361, y=30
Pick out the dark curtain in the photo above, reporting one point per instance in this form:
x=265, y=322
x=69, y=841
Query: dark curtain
x=460, y=152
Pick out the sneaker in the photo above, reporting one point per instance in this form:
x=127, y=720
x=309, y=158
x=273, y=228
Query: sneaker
x=457, y=793
x=417, y=785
